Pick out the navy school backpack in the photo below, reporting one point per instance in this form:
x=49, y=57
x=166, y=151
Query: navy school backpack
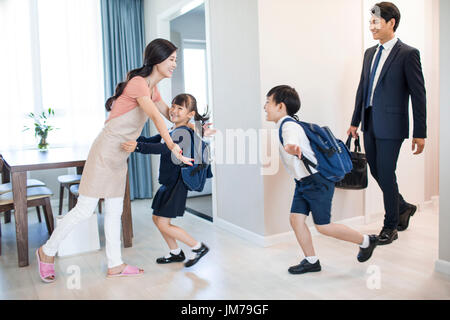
x=194, y=177
x=333, y=157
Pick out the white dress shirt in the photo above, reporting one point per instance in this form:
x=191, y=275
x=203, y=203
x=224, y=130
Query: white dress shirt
x=384, y=55
x=293, y=133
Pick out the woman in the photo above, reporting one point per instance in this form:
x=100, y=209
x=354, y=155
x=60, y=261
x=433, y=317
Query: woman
x=104, y=174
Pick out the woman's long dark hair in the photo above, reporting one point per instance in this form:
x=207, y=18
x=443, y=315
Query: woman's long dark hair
x=189, y=101
x=156, y=52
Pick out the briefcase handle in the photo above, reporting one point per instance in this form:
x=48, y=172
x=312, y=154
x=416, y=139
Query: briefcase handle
x=357, y=145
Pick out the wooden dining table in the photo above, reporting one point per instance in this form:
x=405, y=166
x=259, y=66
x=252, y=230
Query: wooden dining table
x=16, y=164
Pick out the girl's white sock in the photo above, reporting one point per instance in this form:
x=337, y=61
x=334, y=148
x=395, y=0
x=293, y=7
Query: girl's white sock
x=192, y=254
x=174, y=251
x=366, y=242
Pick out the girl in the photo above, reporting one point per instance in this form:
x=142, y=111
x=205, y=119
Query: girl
x=170, y=200
x=104, y=174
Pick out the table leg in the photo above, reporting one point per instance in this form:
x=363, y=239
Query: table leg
x=19, y=184
x=5, y=179
x=80, y=170
x=127, y=223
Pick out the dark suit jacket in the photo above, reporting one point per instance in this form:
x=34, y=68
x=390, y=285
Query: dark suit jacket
x=400, y=77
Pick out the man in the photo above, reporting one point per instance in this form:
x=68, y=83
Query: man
x=391, y=73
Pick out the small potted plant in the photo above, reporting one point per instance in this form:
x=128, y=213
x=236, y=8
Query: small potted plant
x=41, y=127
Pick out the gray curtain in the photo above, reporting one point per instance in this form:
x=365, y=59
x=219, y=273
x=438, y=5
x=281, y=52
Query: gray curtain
x=123, y=47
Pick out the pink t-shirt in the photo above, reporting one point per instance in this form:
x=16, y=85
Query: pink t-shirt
x=135, y=88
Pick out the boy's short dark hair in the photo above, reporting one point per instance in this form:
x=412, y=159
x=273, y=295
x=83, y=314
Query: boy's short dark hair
x=288, y=96
x=387, y=11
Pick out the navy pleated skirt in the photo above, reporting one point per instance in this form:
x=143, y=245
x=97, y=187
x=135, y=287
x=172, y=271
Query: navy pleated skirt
x=170, y=201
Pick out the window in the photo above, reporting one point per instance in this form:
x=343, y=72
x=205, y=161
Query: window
x=195, y=75
x=51, y=58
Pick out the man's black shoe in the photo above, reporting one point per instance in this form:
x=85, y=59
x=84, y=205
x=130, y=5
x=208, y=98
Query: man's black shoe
x=173, y=258
x=365, y=253
x=387, y=236
x=404, y=217
x=198, y=254
x=305, y=267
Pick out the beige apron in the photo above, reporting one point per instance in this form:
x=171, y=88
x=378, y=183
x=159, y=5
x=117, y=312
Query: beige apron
x=104, y=174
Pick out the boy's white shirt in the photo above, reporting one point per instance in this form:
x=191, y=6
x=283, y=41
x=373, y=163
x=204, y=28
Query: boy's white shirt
x=293, y=133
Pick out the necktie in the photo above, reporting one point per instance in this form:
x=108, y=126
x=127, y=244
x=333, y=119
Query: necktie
x=372, y=76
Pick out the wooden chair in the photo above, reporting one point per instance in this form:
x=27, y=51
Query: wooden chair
x=36, y=196
x=66, y=181
x=73, y=196
x=7, y=187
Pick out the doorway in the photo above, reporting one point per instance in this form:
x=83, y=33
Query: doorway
x=188, y=33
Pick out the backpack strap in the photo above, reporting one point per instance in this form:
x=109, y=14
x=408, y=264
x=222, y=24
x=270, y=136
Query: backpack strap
x=308, y=163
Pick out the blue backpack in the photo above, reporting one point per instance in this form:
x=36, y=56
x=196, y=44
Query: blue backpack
x=333, y=157
x=194, y=177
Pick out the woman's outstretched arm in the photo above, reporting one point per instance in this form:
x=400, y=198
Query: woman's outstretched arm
x=152, y=111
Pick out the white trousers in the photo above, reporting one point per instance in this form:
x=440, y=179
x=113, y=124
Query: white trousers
x=84, y=209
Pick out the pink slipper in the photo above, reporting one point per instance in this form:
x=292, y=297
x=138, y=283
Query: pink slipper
x=129, y=271
x=45, y=269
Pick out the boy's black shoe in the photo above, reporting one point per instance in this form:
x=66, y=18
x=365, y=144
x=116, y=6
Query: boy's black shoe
x=305, y=267
x=387, y=236
x=404, y=217
x=198, y=254
x=365, y=253
x=173, y=258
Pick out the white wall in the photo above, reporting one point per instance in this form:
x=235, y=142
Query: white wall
x=237, y=104
x=316, y=47
x=444, y=185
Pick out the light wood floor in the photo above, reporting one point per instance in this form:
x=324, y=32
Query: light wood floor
x=234, y=268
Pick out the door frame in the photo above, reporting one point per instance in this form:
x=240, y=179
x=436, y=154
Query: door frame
x=163, y=31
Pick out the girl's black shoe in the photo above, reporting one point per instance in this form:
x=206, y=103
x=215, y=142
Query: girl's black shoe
x=173, y=258
x=198, y=254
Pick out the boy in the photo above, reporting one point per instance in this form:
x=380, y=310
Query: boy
x=313, y=193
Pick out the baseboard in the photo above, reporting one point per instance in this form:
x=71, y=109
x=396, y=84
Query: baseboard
x=241, y=232
x=442, y=266
x=268, y=241
x=199, y=214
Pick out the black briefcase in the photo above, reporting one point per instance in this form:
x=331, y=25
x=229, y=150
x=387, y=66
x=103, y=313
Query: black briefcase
x=357, y=178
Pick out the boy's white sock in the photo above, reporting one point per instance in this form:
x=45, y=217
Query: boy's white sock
x=312, y=259
x=174, y=251
x=365, y=242
x=197, y=246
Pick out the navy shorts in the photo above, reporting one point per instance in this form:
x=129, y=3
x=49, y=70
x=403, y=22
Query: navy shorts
x=314, y=194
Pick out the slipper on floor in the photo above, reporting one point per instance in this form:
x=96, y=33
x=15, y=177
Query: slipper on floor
x=129, y=271
x=45, y=269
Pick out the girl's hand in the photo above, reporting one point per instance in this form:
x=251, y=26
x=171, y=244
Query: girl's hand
x=207, y=131
x=176, y=150
x=293, y=150
x=129, y=146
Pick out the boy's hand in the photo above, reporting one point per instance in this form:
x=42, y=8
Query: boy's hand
x=293, y=150
x=129, y=146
